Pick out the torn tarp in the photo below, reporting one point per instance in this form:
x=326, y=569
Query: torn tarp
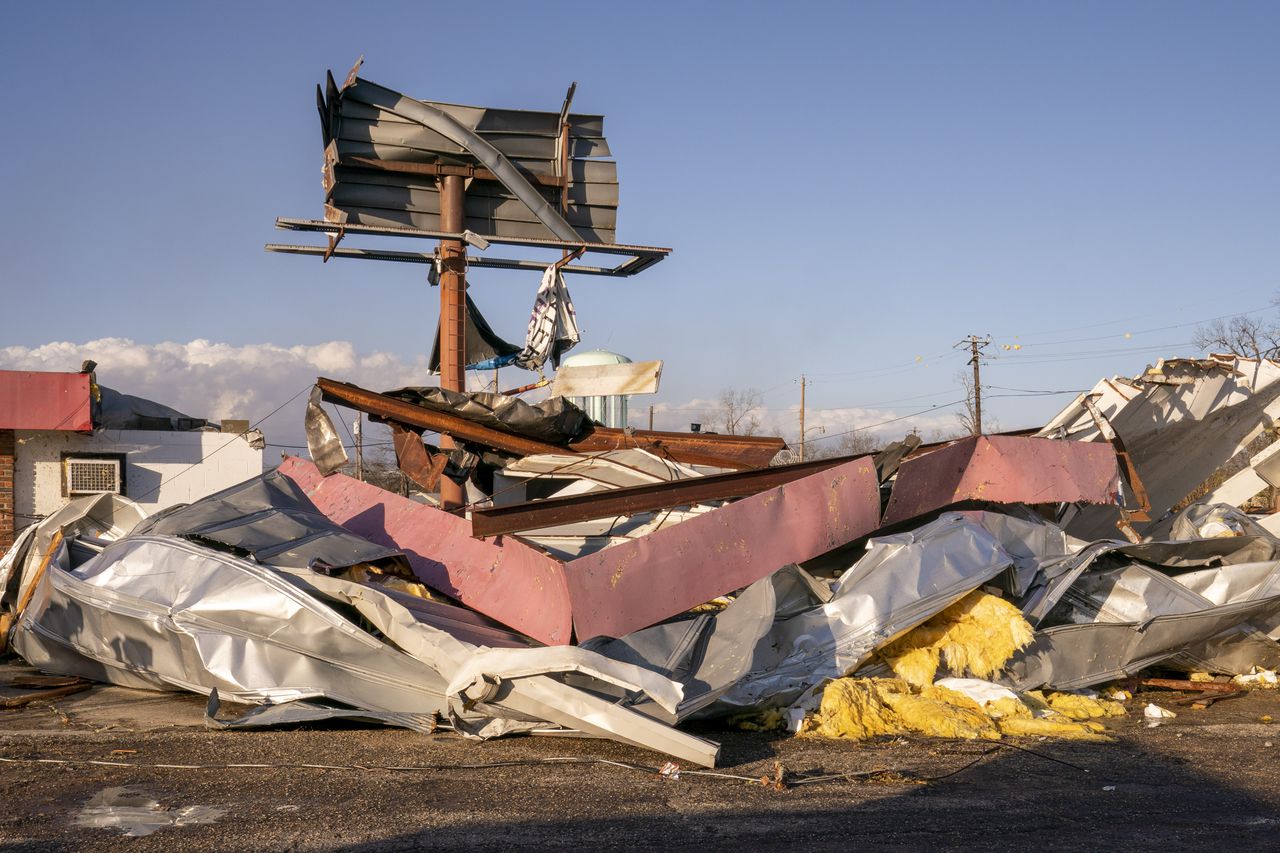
x=114, y=410
x=553, y=325
x=484, y=348
x=554, y=420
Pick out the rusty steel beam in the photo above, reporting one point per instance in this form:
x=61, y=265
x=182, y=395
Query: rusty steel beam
x=443, y=169
x=533, y=515
x=453, y=314
x=390, y=409
x=416, y=462
x=722, y=451
x=1187, y=685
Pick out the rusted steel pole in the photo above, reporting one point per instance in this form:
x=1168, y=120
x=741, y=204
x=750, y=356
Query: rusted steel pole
x=453, y=285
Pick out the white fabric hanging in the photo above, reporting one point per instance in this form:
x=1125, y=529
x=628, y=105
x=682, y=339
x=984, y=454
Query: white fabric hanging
x=553, y=326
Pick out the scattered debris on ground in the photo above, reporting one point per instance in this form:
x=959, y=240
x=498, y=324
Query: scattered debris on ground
x=765, y=598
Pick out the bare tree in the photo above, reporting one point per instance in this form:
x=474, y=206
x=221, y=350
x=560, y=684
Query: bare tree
x=968, y=416
x=1244, y=335
x=852, y=443
x=737, y=413
x=939, y=435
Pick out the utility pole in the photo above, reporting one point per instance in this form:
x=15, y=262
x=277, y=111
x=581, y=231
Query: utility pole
x=650, y=418
x=976, y=345
x=802, y=385
x=359, y=437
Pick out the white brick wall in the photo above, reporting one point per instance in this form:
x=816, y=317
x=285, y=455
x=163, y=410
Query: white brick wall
x=156, y=465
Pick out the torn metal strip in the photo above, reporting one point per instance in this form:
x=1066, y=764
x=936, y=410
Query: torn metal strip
x=643, y=581
x=1004, y=469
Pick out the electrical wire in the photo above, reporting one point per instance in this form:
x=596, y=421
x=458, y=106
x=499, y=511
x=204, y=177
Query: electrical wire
x=222, y=447
x=884, y=423
x=1060, y=358
x=1144, y=331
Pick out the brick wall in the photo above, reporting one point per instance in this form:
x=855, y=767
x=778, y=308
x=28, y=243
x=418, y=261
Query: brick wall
x=7, y=448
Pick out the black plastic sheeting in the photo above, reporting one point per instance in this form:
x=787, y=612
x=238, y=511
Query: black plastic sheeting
x=483, y=343
x=554, y=420
x=270, y=520
x=125, y=411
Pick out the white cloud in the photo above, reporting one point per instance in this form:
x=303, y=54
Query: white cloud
x=217, y=380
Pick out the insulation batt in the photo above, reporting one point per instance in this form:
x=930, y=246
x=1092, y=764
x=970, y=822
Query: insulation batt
x=978, y=634
x=1078, y=707
x=863, y=708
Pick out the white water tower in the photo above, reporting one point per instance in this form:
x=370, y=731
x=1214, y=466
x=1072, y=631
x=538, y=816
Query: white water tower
x=609, y=410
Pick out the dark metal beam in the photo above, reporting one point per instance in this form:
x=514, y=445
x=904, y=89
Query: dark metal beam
x=324, y=226
x=722, y=451
x=627, y=268
x=533, y=515
x=391, y=409
x=442, y=169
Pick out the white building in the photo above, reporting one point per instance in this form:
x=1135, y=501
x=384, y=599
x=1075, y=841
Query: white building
x=153, y=467
x=62, y=435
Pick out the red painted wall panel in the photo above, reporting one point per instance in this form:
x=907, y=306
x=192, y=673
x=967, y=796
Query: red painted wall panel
x=45, y=401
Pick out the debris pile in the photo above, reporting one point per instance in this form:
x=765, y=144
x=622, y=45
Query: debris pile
x=618, y=583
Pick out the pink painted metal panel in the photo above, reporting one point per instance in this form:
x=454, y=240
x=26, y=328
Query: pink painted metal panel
x=45, y=401
x=502, y=578
x=638, y=583
x=1005, y=469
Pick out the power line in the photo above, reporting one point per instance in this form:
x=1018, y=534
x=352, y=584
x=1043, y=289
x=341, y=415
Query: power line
x=222, y=447
x=1141, y=331
x=1061, y=358
x=890, y=421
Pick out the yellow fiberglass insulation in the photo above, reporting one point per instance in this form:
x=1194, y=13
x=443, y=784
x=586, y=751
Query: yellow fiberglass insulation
x=862, y=708
x=1050, y=727
x=978, y=634
x=768, y=720
x=853, y=708
x=1077, y=707
x=939, y=712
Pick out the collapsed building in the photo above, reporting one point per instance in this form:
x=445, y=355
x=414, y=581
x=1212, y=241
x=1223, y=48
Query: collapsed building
x=557, y=575
x=670, y=577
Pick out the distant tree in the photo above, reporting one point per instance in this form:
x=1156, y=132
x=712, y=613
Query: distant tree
x=939, y=435
x=853, y=443
x=1245, y=335
x=968, y=415
x=738, y=413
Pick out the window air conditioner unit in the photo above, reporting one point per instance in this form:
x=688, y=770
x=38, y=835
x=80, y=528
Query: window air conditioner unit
x=93, y=476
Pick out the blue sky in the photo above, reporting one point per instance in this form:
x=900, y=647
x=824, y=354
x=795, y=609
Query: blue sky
x=849, y=188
